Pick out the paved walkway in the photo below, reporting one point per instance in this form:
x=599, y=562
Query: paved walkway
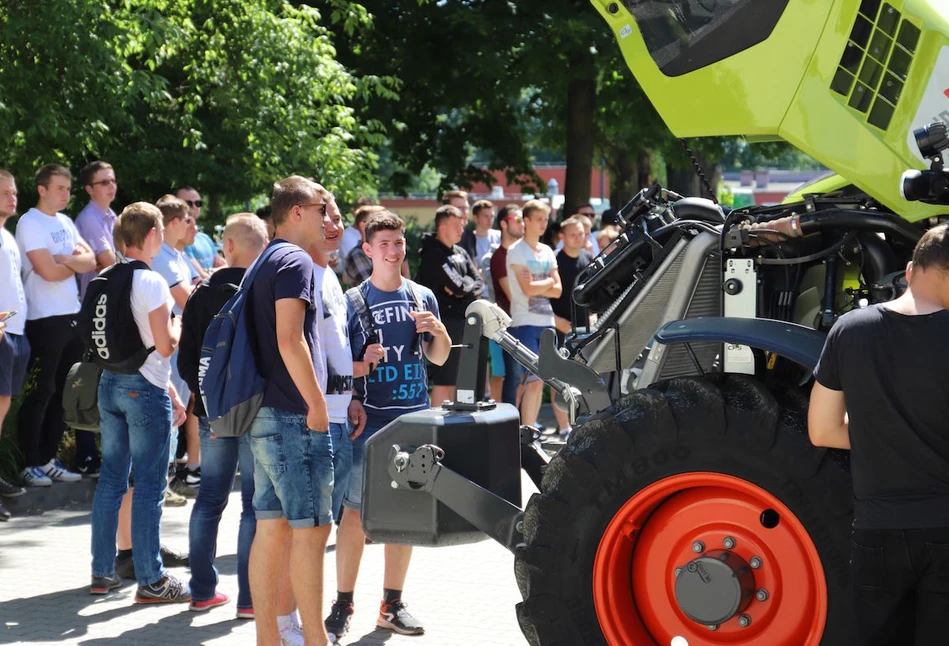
x=465, y=595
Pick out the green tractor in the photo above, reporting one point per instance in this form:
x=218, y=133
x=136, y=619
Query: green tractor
x=688, y=506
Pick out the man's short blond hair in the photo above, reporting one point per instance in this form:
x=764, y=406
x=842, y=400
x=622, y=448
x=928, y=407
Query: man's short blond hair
x=292, y=191
x=246, y=230
x=574, y=220
x=535, y=206
x=135, y=221
x=448, y=196
x=172, y=208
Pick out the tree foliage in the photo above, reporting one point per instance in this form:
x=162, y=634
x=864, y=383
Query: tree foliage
x=227, y=95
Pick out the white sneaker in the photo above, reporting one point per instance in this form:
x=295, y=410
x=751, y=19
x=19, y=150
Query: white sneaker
x=35, y=477
x=56, y=471
x=292, y=636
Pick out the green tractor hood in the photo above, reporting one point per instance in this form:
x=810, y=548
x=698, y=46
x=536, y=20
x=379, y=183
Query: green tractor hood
x=845, y=81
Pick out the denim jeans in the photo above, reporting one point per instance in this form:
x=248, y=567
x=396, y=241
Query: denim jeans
x=220, y=457
x=342, y=462
x=293, y=469
x=900, y=585
x=135, y=419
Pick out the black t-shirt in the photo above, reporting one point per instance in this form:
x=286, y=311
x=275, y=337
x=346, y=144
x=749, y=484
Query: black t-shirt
x=892, y=370
x=569, y=268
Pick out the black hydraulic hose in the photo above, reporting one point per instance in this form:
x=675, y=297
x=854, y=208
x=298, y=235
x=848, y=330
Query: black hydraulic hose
x=862, y=221
x=799, y=260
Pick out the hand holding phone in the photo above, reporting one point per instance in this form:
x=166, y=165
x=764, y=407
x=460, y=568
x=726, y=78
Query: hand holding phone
x=5, y=316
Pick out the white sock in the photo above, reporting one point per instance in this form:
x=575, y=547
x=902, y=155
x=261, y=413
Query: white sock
x=284, y=622
x=567, y=430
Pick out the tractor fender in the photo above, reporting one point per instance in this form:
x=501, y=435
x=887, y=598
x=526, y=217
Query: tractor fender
x=798, y=343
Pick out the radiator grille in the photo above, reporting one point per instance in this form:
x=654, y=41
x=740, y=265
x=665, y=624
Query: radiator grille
x=706, y=301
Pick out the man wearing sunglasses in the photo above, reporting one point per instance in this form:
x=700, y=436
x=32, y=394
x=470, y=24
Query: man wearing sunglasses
x=96, y=220
x=202, y=253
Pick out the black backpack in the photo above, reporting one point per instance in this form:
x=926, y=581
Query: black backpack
x=105, y=322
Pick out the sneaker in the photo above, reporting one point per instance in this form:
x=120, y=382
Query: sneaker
x=9, y=490
x=125, y=567
x=245, y=613
x=89, y=468
x=171, y=558
x=168, y=590
x=192, y=478
x=337, y=624
x=174, y=500
x=105, y=584
x=55, y=470
x=292, y=635
x=395, y=616
x=35, y=477
x=5, y=515
x=219, y=599
x=180, y=487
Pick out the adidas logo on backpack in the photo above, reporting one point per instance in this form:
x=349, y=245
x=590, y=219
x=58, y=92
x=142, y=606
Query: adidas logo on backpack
x=105, y=322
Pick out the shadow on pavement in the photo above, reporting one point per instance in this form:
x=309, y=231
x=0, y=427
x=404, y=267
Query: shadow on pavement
x=375, y=638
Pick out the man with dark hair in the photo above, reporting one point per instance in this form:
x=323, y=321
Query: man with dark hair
x=264, y=214
x=352, y=237
x=881, y=392
x=201, y=250
x=53, y=253
x=14, y=346
x=478, y=241
x=390, y=380
x=451, y=274
x=510, y=223
x=289, y=437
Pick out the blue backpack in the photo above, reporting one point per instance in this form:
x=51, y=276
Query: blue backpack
x=232, y=386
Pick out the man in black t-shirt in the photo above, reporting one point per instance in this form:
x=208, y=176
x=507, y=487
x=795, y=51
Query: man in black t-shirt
x=881, y=391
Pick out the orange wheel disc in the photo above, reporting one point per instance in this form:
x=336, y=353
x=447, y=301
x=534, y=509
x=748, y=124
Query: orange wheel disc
x=677, y=526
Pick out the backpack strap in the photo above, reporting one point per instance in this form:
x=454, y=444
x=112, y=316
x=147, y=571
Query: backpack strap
x=416, y=293
x=357, y=298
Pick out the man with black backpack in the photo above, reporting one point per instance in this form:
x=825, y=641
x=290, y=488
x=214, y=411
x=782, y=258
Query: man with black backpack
x=245, y=237
x=137, y=404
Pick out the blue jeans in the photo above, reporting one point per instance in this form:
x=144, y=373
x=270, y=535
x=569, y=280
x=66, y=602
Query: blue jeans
x=529, y=336
x=135, y=422
x=342, y=463
x=220, y=457
x=293, y=469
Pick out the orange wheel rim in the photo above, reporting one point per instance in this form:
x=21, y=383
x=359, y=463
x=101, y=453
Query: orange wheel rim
x=661, y=528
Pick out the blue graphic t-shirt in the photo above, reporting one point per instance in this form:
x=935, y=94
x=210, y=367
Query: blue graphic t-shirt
x=399, y=384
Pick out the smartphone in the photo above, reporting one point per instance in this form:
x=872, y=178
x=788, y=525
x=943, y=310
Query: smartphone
x=6, y=315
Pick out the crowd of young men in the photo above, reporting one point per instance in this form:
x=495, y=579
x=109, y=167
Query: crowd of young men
x=342, y=367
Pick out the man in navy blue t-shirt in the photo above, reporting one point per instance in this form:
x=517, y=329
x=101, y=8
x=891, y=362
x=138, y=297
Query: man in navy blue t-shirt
x=293, y=453
x=390, y=379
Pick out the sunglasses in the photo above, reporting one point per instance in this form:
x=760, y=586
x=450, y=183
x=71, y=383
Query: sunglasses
x=106, y=182
x=322, y=206
x=194, y=203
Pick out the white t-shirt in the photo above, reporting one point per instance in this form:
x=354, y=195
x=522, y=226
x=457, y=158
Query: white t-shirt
x=57, y=234
x=12, y=295
x=535, y=310
x=149, y=292
x=483, y=245
x=334, y=339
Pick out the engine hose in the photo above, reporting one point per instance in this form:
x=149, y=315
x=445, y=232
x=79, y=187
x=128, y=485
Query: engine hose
x=817, y=255
x=796, y=226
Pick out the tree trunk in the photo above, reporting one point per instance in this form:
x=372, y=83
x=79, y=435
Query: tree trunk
x=682, y=180
x=644, y=166
x=623, y=174
x=581, y=105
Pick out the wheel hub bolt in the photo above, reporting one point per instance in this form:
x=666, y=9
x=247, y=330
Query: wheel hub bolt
x=729, y=543
x=712, y=626
x=761, y=595
x=744, y=621
x=698, y=547
x=755, y=562
x=678, y=572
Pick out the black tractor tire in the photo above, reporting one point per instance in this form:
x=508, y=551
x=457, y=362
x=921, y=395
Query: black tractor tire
x=731, y=425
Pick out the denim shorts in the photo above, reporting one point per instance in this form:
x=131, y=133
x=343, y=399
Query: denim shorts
x=529, y=336
x=342, y=463
x=497, y=358
x=353, y=496
x=293, y=469
x=14, y=359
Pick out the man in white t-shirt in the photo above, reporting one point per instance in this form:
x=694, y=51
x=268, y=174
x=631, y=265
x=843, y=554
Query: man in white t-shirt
x=136, y=414
x=174, y=266
x=533, y=279
x=14, y=346
x=52, y=253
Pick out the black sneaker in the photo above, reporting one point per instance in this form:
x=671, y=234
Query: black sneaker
x=89, y=468
x=171, y=558
x=4, y=514
x=168, y=590
x=337, y=624
x=9, y=490
x=125, y=567
x=180, y=487
x=395, y=616
x=105, y=584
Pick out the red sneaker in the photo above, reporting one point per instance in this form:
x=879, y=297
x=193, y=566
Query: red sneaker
x=245, y=613
x=219, y=599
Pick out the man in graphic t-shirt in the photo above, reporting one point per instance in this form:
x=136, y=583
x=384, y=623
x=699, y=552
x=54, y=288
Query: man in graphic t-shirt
x=534, y=281
x=390, y=379
x=52, y=253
